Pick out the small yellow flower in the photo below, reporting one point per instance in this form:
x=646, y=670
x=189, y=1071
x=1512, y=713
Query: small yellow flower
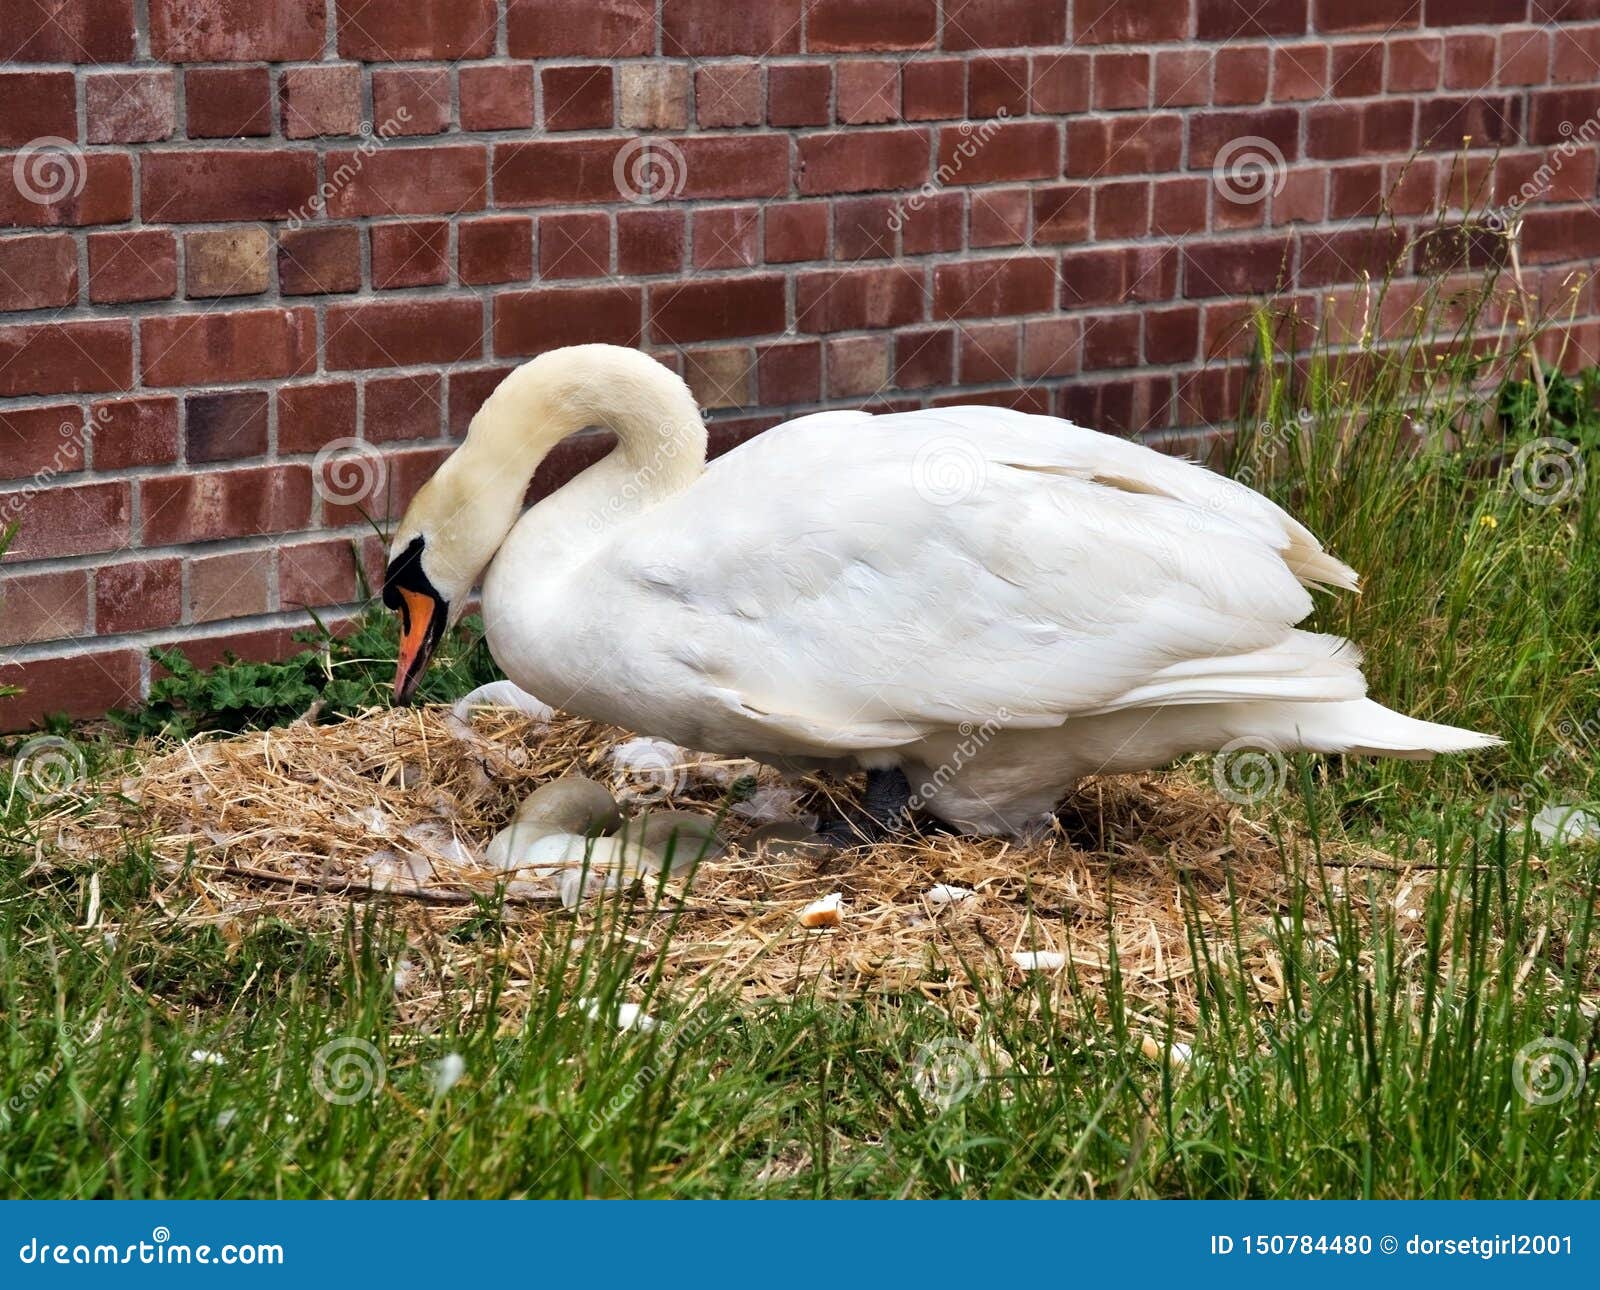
x=1488, y=522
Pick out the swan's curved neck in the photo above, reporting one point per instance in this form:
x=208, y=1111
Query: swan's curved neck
x=661, y=440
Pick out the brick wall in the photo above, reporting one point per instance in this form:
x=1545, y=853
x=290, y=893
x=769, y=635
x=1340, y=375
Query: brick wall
x=240, y=233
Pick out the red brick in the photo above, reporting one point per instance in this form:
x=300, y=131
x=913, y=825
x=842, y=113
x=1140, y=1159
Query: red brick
x=850, y=299
x=207, y=506
x=847, y=26
x=857, y=366
x=530, y=322
x=1061, y=213
x=224, y=184
x=1462, y=13
x=313, y=415
x=1122, y=80
x=549, y=171
x=52, y=188
x=34, y=104
x=716, y=309
x=798, y=93
x=727, y=237
x=649, y=241
x=224, y=102
x=319, y=259
x=138, y=595
x=929, y=225
x=575, y=244
x=1249, y=19
x=868, y=91
x=1178, y=206
x=316, y=573
x=86, y=31
x=438, y=179
x=38, y=272
x=1577, y=52
x=796, y=231
x=578, y=28
x=1124, y=145
x=989, y=288
x=1469, y=62
x=1001, y=24
x=208, y=348
x=996, y=153
x=864, y=228
x=728, y=94
x=135, y=432
x=1122, y=210
x=1059, y=83
x=79, y=685
x=1212, y=131
x=1415, y=64
x=923, y=357
x=415, y=253
x=396, y=30
x=1490, y=121
x=496, y=97
x=577, y=98
x=1299, y=72
x=1327, y=259
x=998, y=86
x=208, y=31
x=497, y=248
x=855, y=161
x=789, y=372
x=999, y=218
x=403, y=407
x=1381, y=16
x=935, y=89
x=82, y=519
x=140, y=264
x=78, y=357
x=1051, y=347
x=987, y=353
x=743, y=166
x=1523, y=56
x=1242, y=72
x=225, y=425
x=695, y=27
x=411, y=100
x=34, y=440
x=1235, y=268
x=1337, y=131
x=1128, y=22
x=396, y=333
x=320, y=100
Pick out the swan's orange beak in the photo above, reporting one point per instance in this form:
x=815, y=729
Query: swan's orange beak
x=421, y=625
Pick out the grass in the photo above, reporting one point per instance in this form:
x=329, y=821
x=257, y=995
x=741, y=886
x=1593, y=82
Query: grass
x=176, y=1057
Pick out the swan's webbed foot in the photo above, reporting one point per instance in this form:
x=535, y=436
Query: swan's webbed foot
x=885, y=811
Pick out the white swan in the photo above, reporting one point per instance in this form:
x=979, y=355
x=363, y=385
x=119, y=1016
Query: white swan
x=993, y=603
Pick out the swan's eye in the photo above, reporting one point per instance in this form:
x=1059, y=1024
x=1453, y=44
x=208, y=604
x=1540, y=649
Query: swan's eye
x=405, y=574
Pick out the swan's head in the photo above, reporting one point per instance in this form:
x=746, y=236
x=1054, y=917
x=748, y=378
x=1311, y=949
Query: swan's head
x=450, y=532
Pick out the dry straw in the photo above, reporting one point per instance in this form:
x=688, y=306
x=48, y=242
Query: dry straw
x=282, y=823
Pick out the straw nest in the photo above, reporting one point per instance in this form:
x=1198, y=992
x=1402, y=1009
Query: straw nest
x=397, y=806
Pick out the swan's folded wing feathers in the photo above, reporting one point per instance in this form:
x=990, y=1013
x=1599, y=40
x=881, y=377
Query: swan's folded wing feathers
x=840, y=598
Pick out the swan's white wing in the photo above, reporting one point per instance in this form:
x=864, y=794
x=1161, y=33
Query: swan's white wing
x=862, y=581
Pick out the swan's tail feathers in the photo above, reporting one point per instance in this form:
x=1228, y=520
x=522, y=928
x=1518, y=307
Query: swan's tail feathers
x=1316, y=568
x=1362, y=726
